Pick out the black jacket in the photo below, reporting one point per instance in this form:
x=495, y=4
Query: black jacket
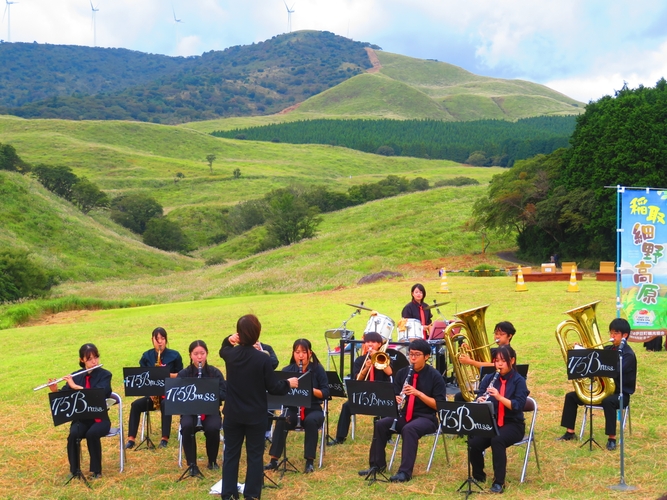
x=515, y=390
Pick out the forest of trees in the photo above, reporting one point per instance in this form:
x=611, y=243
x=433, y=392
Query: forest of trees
x=560, y=203
x=480, y=143
x=86, y=83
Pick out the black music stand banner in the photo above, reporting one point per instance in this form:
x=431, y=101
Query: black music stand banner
x=297, y=396
x=588, y=363
x=371, y=398
x=145, y=381
x=336, y=388
x=191, y=396
x=473, y=419
x=85, y=404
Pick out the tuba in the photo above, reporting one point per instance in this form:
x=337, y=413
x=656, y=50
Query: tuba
x=474, y=343
x=156, y=399
x=585, y=326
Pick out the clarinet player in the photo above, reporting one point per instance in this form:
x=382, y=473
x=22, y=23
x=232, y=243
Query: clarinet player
x=417, y=417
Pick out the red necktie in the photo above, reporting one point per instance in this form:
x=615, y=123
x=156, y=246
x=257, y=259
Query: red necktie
x=501, y=407
x=422, y=317
x=411, y=401
x=88, y=387
x=372, y=375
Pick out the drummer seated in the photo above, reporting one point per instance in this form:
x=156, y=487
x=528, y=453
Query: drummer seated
x=363, y=369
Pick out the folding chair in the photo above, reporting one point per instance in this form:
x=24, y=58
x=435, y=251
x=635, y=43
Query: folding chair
x=180, y=443
x=530, y=406
x=437, y=434
x=323, y=431
x=335, y=336
x=115, y=399
x=627, y=418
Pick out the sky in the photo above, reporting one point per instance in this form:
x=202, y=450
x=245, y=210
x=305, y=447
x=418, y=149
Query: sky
x=583, y=48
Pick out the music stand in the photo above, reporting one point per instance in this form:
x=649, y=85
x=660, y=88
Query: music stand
x=336, y=390
x=191, y=396
x=372, y=398
x=471, y=419
x=72, y=406
x=296, y=397
x=591, y=363
x=145, y=381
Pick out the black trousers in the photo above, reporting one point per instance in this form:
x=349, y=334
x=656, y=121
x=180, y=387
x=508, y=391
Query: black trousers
x=235, y=432
x=211, y=425
x=344, y=420
x=610, y=405
x=654, y=345
x=410, y=433
x=510, y=433
x=311, y=425
x=138, y=407
x=93, y=432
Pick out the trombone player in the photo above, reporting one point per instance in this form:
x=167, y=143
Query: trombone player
x=619, y=329
x=368, y=366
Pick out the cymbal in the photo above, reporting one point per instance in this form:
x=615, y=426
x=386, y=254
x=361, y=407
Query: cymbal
x=358, y=306
x=433, y=306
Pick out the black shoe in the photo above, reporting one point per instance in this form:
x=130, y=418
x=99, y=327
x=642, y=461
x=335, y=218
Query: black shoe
x=480, y=478
x=96, y=475
x=195, y=472
x=334, y=442
x=129, y=445
x=309, y=467
x=568, y=436
x=272, y=465
x=400, y=477
x=497, y=488
x=611, y=444
x=371, y=470
x=163, y=443
x=213, y=466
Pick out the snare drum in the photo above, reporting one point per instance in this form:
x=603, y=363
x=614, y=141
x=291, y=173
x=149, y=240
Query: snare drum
x=414, y=329
x=381, y=324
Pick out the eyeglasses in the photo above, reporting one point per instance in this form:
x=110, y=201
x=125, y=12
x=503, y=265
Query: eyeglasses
x=415, y=354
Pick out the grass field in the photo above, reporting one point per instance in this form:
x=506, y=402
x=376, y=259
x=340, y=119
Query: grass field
x=34, y=462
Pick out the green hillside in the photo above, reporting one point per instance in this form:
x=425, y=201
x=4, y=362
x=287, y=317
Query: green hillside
x=74, y=246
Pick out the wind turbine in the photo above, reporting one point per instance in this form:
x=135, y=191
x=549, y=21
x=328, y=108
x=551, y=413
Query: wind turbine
x=8, y=12
x=290, y=11
x=176, y=22
x=94, y=23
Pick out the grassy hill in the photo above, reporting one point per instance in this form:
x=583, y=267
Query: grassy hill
x=74, y=246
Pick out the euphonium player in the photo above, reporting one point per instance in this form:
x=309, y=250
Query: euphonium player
x=363, y=369
x=169, y=358
x=619, y=329
x=503, y=333
x=94, y=429
x=418, y=417
x=508, y=396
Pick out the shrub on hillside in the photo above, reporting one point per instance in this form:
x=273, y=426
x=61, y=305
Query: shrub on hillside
x=60, y=179
x=166, y=235
x=134, y=210
x=86, y=195
x=21, y=277
x=385, y=151
x=10, y=160
x=457, y=181
x=246, y=215
x=290, y=218
x=418, y=184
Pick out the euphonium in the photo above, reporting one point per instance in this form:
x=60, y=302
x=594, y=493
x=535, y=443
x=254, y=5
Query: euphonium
x=475, y=343
x=584, y=324
x=156, y=399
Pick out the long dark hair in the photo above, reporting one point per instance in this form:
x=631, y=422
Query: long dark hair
x=506, y=353
x=160, y=331
x=305, y=344
x=191, y=367
x=420, y=287
x=87, y=351
x=248, y=327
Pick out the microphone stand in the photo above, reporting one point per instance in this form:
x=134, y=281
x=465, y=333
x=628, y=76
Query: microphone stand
x=621, y=486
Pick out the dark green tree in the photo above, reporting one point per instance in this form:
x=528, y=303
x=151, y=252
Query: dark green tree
x=134, y=211
x=59, y=179
x=166, y=235
x=86, y=195
x=210, y=159
x=237, y=173
x=290, y=218
x=21, y=277
x=10, y=160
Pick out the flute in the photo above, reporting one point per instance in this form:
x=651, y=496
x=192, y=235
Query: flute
x=63, y=378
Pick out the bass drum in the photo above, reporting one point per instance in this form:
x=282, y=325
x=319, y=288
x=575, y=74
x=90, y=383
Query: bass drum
x=398, y=359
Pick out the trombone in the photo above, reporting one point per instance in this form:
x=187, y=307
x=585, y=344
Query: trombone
x=379, y=359
x=63, y=378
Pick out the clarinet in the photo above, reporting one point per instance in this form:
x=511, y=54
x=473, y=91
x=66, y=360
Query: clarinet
x=485, y=396
x=401, y=405
x=199, y=376
x=298, y=410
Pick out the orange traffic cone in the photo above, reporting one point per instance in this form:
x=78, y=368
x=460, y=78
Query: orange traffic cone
x=520, y=285
x=573, y=286
x=443, y=283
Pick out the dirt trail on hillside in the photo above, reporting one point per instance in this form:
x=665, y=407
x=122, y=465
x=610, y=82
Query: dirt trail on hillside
x=61, y=318
x=372, y=56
